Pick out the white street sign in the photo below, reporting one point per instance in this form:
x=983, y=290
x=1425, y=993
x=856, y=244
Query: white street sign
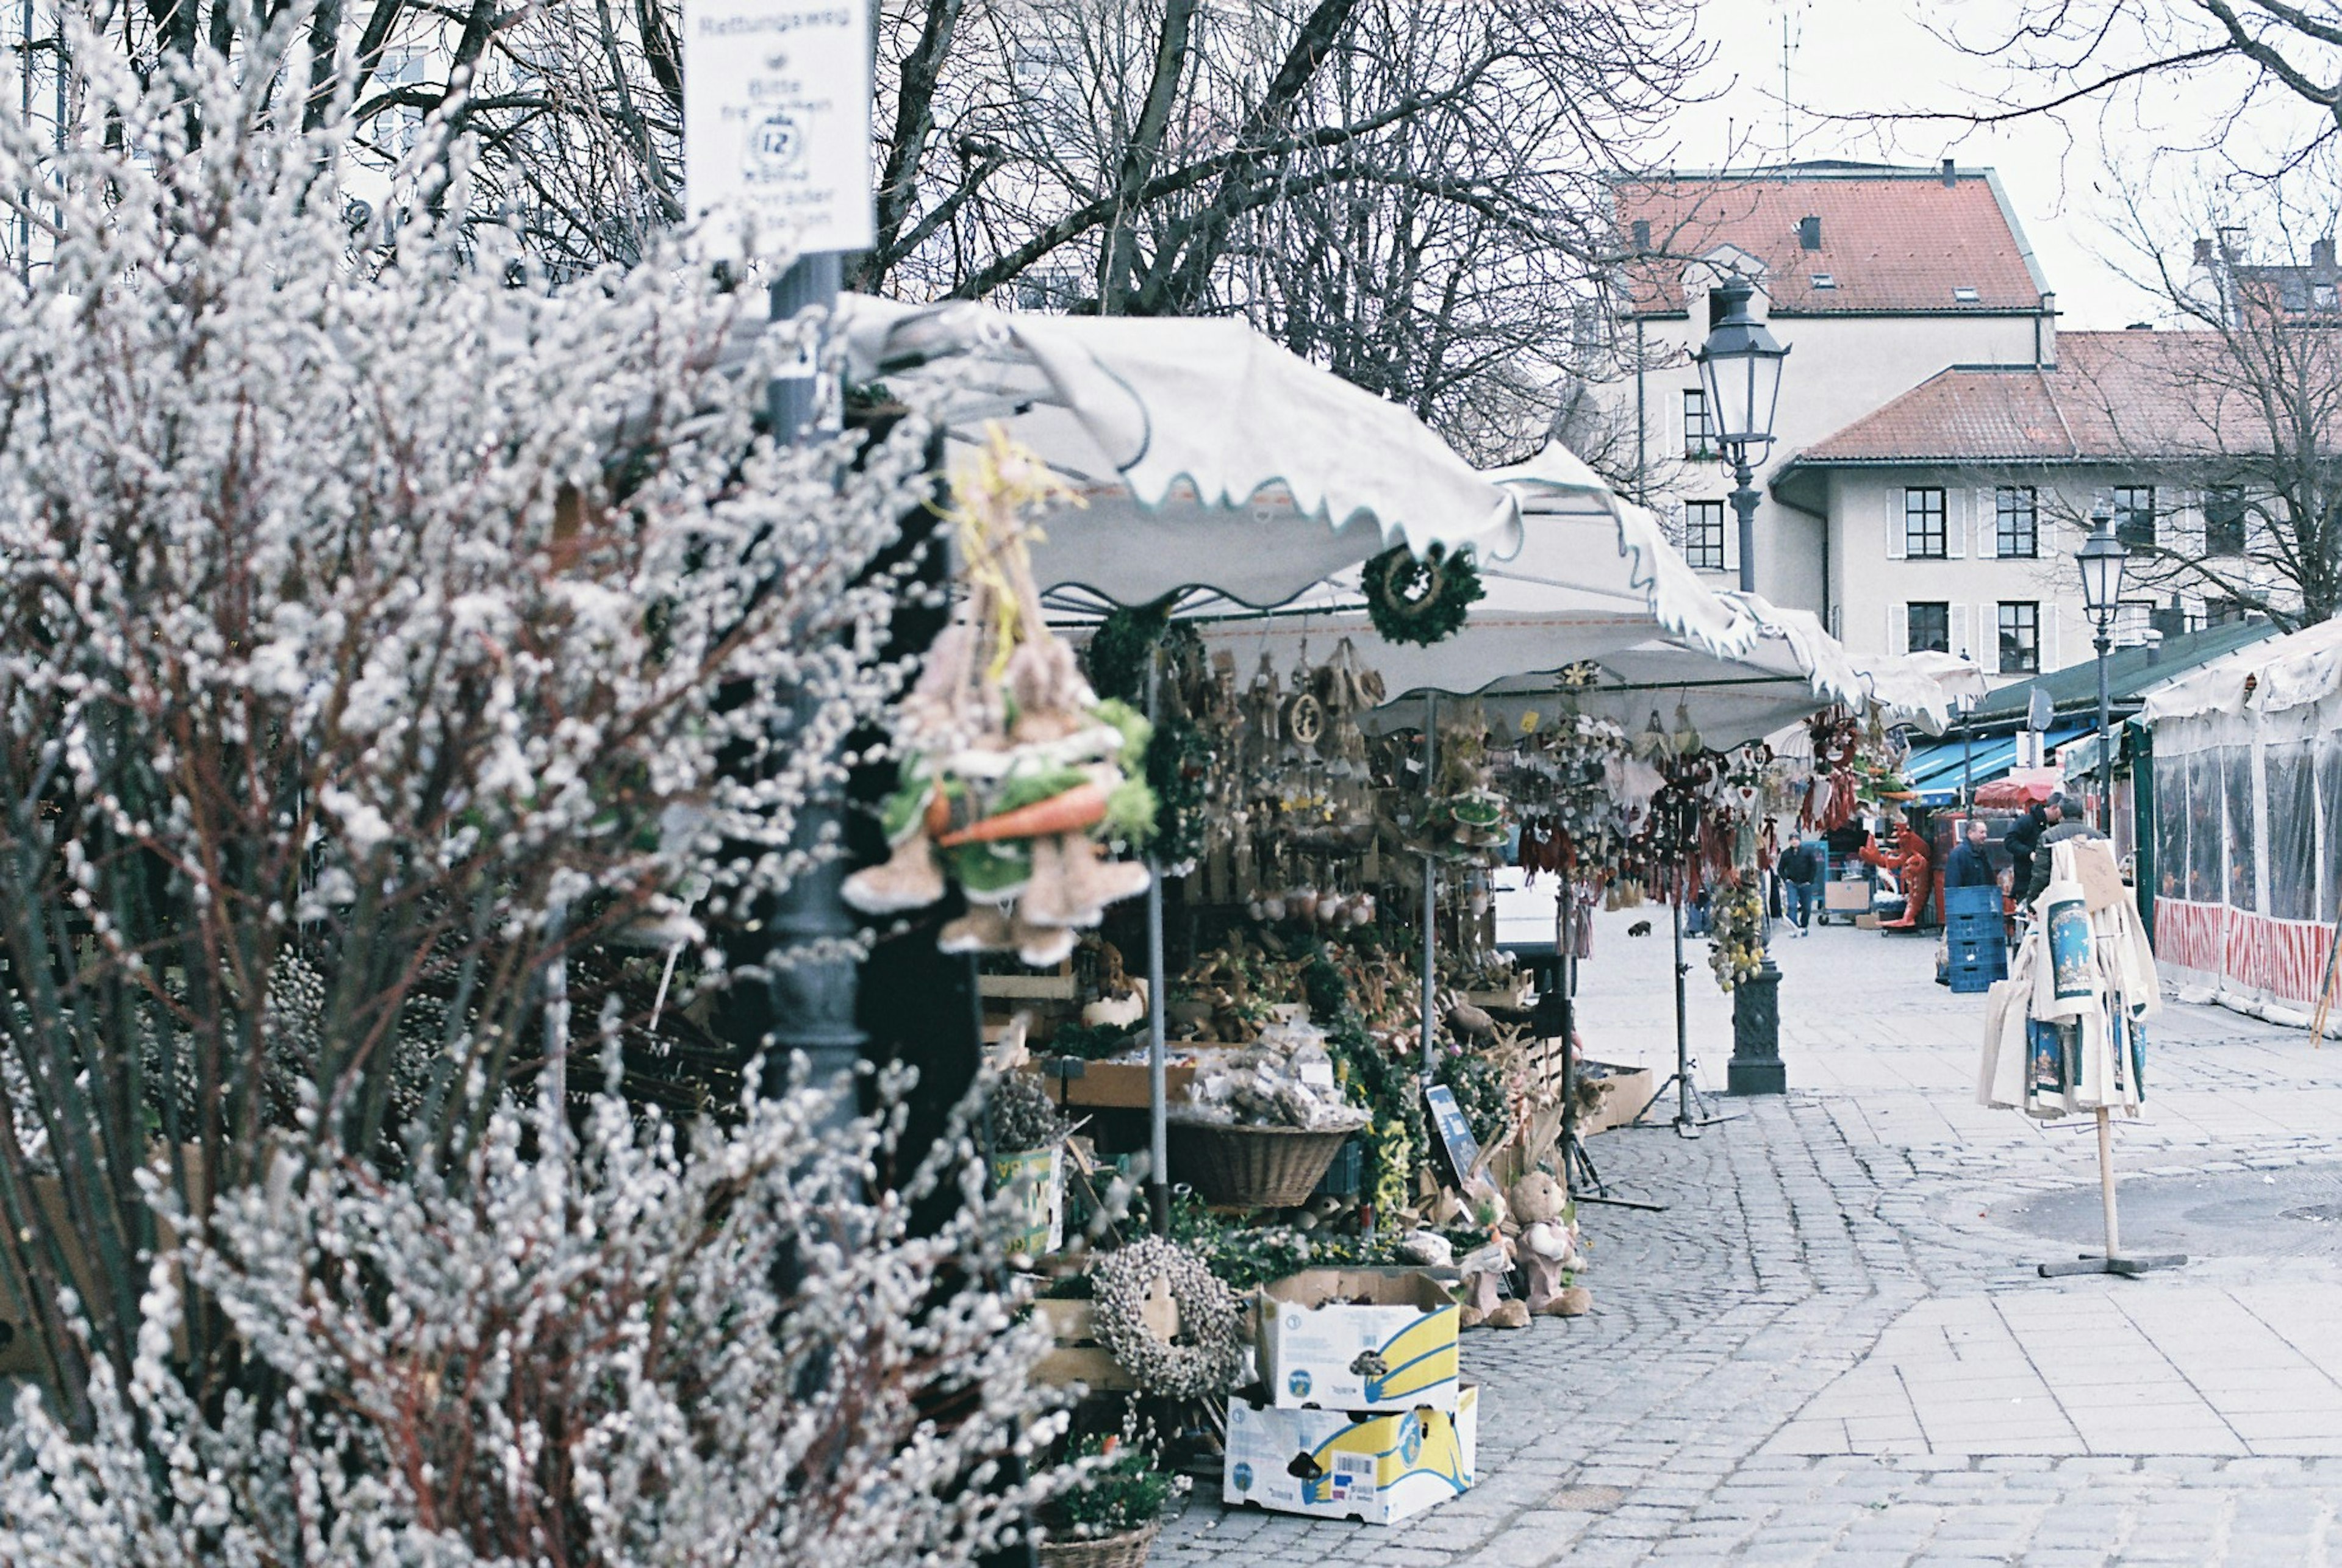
x=776, y=117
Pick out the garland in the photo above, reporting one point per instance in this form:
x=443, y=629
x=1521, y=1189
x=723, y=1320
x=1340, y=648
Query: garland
x=1208, y=1356
x=1420, y=600
x=1178, y=757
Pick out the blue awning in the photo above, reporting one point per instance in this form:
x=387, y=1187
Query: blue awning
x=1935, y=771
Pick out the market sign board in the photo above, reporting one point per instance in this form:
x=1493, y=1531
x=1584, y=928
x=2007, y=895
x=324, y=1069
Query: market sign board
x=776, y=118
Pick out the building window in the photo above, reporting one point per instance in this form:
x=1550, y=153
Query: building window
x=2020, y=637
x=2018, y=522
x=1929, y=627
x=1923, y=524
x=2223, y=521
x=2135, y=516
x=1698, y=440
x=1703, y=535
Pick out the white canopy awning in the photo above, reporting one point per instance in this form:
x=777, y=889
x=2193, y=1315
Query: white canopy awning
x=1208, y=456
x=2288, y=672
x=1596, y=583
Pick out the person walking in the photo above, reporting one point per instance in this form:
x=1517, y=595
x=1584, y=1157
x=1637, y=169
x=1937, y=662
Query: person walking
x=2061, y=833
x=1799, y=869
x=2024, y=840
x=1970, y=864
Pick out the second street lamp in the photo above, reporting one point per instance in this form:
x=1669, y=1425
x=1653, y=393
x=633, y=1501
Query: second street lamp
x=2102, y=559
x=1741, y=373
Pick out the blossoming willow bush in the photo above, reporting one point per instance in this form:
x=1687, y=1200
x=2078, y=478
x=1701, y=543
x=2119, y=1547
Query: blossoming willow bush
x=379, y=630
x=584, y=1360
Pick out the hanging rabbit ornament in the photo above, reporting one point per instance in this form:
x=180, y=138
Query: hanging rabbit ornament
x=1014, y=774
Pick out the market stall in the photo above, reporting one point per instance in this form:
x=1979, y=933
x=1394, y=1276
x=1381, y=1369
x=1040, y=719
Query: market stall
x=2245, y=810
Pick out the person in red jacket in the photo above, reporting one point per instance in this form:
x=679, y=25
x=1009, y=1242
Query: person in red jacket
x=1914, y=870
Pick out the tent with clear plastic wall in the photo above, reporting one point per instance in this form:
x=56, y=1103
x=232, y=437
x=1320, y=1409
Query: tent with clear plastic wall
x=2247, y=826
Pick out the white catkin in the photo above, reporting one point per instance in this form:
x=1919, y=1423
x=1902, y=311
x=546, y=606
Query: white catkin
x=349, y=505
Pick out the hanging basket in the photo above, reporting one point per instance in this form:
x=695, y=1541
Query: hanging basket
x=1127, y=1549
x=1252, y=1167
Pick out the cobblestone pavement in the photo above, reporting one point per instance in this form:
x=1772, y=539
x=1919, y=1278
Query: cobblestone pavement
x=1831, y=1346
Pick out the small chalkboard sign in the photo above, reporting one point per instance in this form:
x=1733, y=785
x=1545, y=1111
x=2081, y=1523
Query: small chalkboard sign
x=1455, y=1139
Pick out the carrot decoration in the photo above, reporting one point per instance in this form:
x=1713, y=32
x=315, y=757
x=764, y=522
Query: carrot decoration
x=1070, y=811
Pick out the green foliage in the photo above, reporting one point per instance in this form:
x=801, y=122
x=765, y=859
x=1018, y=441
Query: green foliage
x=1128, y=1491
x=1090, y=1041
x=1479, y=1090
x=1249, y=1255
x=1420, y=599
x=1178, y=757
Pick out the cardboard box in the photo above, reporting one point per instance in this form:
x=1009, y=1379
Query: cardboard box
x=1121, y=1085
x=1625, y=1091
x=1320, y=1350
x=1866, y=922
x=1377, y=1469
x=1850, y=898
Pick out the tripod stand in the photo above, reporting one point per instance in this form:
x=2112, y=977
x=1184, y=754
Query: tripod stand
x=1559, y=1011
x=1691, y=1110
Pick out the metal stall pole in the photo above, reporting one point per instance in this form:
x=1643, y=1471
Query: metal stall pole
x=814, y=985
x=1576, y=1165
x=1430, y=870
x=1158, y=1134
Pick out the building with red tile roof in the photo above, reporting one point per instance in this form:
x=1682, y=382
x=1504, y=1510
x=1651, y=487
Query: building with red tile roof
x=1834, y=239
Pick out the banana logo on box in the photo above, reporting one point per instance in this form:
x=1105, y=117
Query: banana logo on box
x=1420, y=1357
x=1414, y=1446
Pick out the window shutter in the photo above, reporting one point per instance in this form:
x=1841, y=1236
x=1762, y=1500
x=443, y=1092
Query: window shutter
x=2049, y=619
x=1956, y=629
x=1899, y=628
x=1987, y=526
x=1956, y=523
x=1894, y=525
x=1988, y=637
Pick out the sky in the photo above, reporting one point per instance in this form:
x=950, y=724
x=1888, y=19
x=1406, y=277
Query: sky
x=1853, y=56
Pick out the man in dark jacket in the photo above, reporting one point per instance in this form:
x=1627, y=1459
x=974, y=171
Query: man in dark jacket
x=1970, y=864
x=2026, y=837
x=1800, y=871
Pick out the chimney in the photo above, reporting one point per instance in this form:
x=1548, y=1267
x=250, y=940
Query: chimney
x=2203, y=253
x=1809, y=233
x=2044, y=332
x=2321, y=255
x=1951, y=174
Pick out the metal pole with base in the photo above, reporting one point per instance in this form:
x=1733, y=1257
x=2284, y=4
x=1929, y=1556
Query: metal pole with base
x=1158, y=1132
x=1430, y=873
x=1691, y=1111
x=2113, y=1263
x=1584, y=1183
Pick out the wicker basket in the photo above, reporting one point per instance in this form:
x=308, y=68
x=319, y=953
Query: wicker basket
x=1252, y=1167
x=1127, y=1549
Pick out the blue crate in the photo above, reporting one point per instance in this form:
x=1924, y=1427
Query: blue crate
x=1959, y=901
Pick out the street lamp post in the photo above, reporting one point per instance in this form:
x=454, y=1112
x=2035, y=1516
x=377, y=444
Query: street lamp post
x=2102, y=559
x=1740, y=372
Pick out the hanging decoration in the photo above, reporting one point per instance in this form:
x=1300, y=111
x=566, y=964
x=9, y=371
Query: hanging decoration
x=1180, y=756
x=1420, y=599
x=1016, y=776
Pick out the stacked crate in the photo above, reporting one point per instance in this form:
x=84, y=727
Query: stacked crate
x=1975, y=938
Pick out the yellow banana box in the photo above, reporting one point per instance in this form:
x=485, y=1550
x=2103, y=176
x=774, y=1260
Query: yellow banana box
x=1359, y=1339
x=1374, y=1467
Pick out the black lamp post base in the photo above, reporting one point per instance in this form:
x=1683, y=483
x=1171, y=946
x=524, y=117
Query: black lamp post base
x=1756, y=1067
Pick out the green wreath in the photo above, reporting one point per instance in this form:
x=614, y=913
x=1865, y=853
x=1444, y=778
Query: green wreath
x=1180, y=756
x=1420, y=599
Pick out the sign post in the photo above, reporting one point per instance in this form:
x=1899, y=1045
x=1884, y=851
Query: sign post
x=776, y=152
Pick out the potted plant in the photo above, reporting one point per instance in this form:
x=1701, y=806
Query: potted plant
x=1110, y=1516
x=1029, y=1150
